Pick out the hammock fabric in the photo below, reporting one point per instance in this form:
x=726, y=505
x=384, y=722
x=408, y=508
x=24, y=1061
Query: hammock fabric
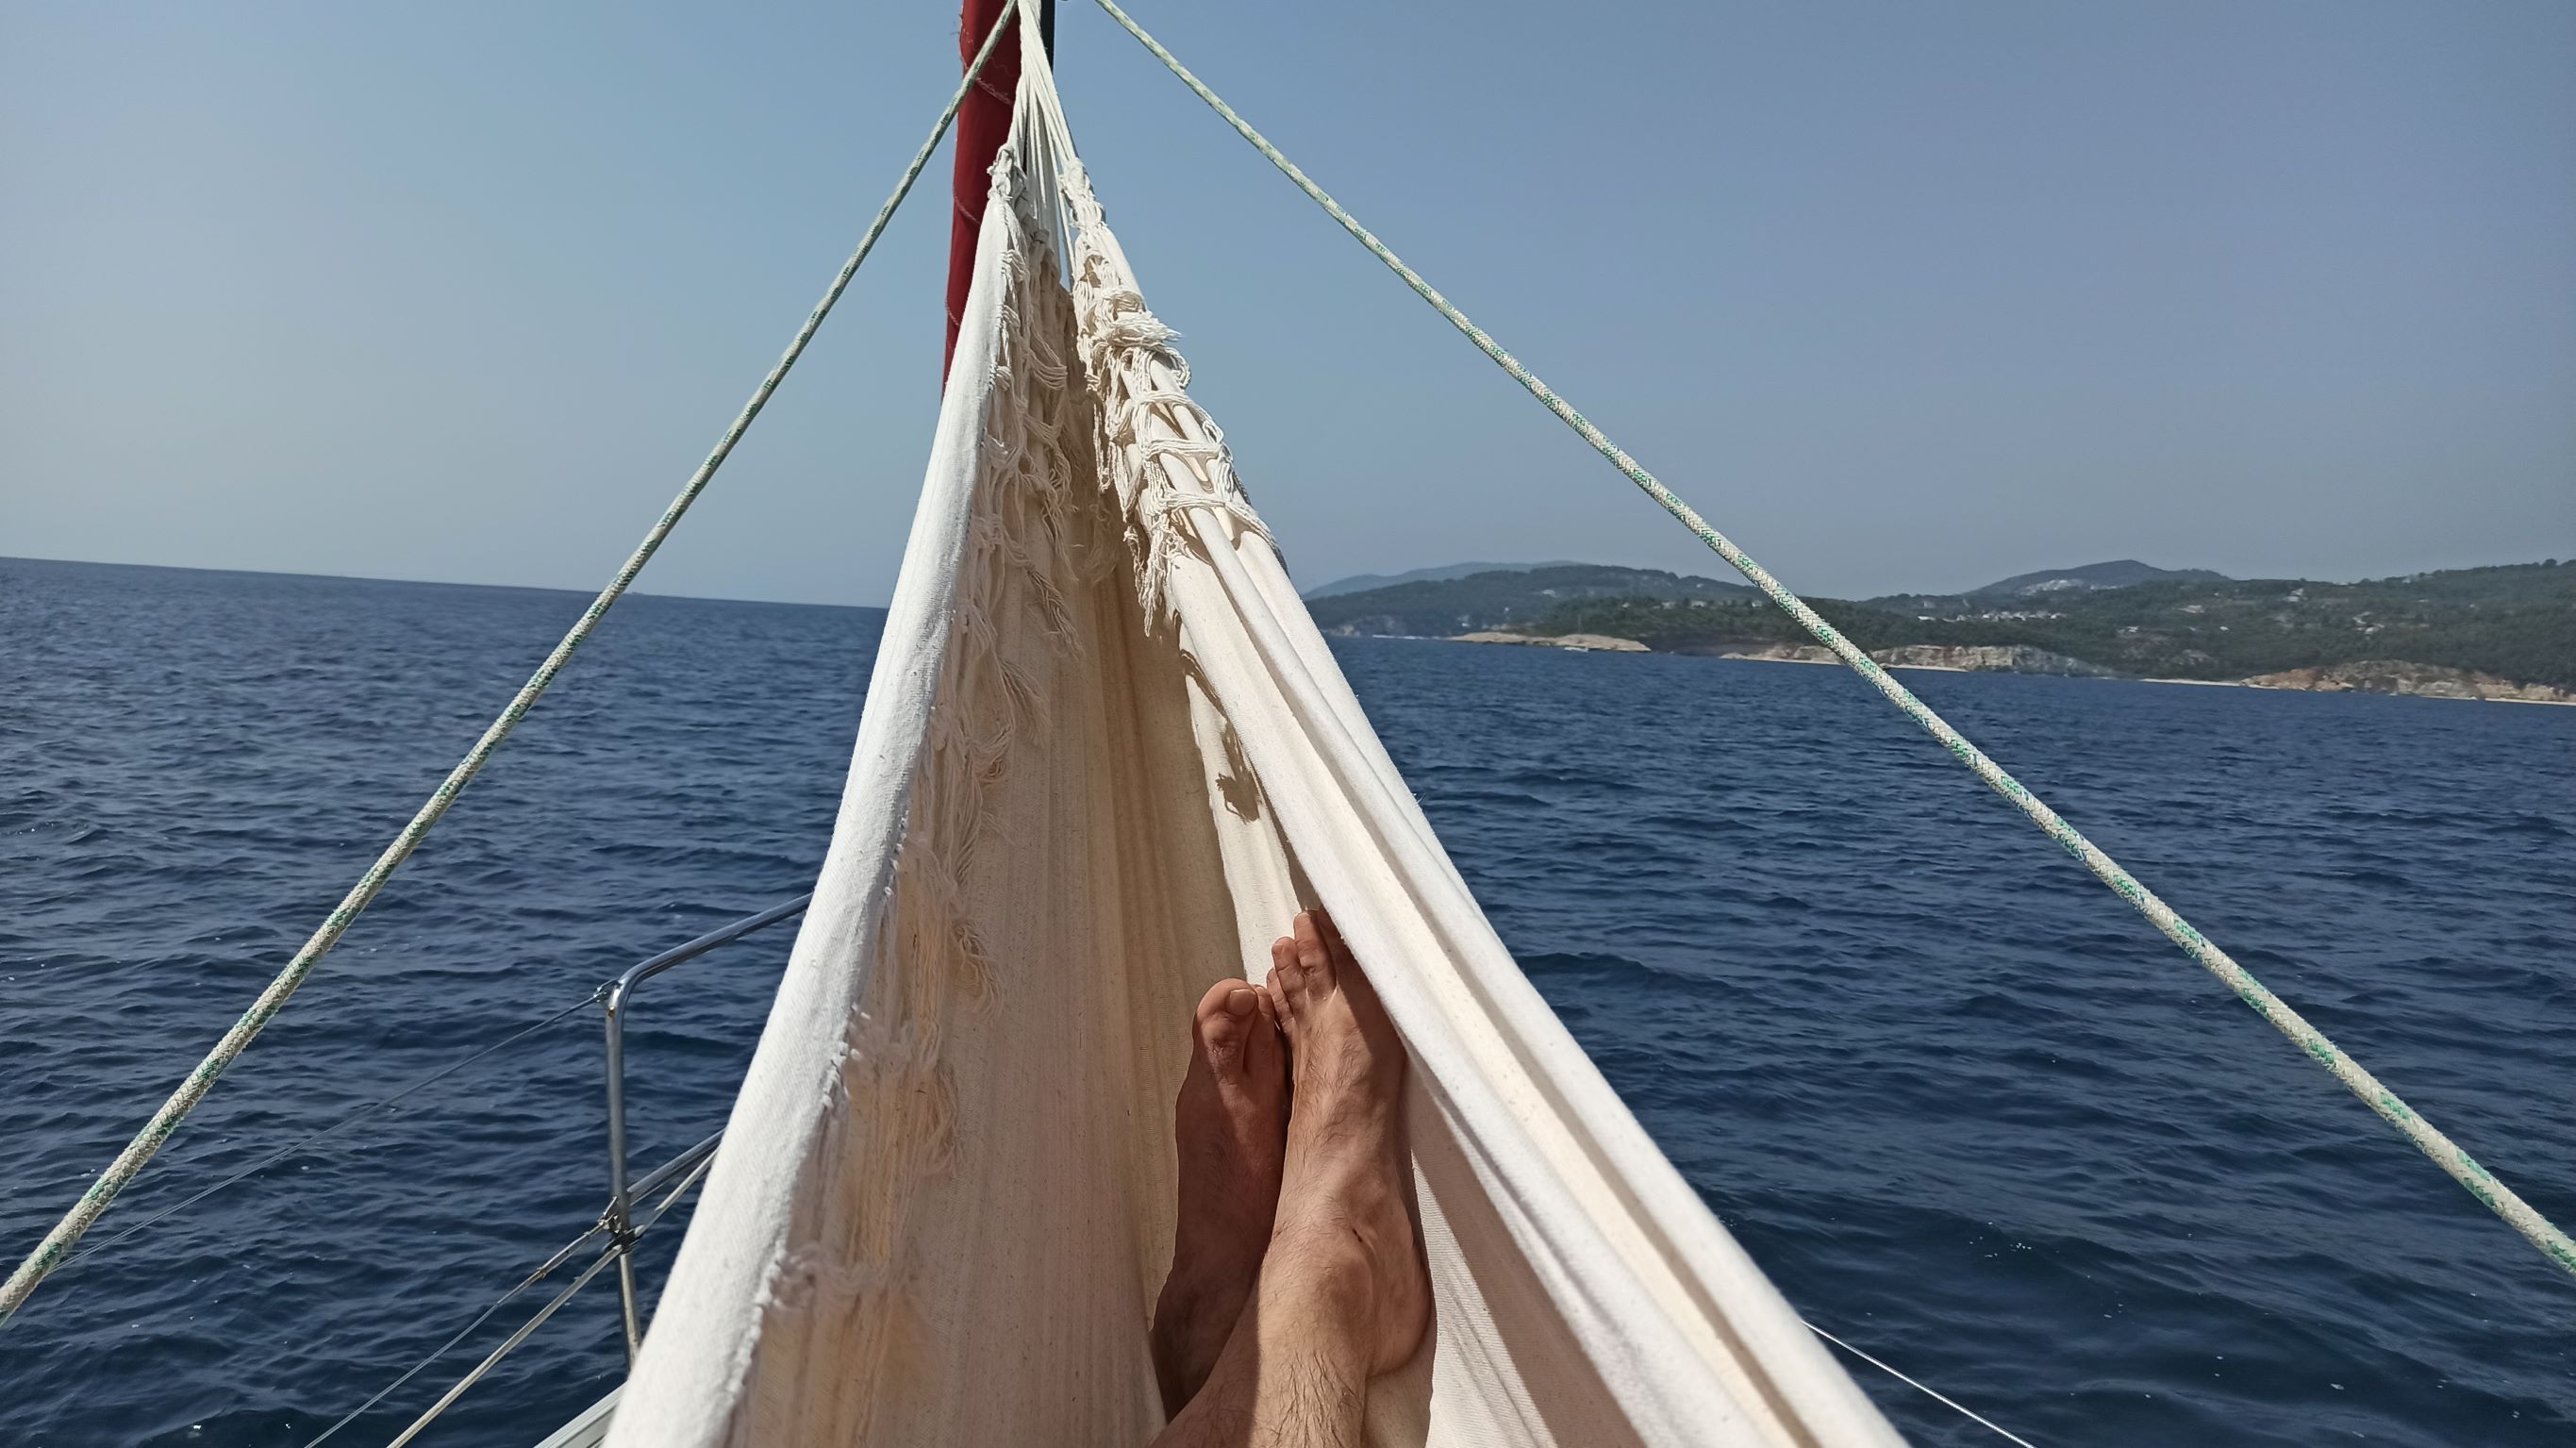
x=1105, y=757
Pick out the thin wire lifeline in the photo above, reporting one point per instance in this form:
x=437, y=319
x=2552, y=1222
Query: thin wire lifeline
x=493, y=1358
x=93, y=1203
x=545, y=1269
x=2481, y=1183
x=1925, y=1388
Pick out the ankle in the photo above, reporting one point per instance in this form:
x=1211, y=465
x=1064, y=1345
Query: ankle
x=1321, y=1266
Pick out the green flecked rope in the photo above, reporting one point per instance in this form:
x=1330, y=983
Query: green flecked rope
x=2481, y=1183
x=93, y=1203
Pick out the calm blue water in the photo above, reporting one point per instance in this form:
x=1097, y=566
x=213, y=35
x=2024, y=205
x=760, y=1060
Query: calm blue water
x=1969, y=1111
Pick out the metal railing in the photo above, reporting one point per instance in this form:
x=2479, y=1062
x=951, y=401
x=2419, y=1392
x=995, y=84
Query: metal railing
x=619, y=995
x=619, y=1222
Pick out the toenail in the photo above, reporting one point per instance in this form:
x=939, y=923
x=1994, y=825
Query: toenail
x=1239, y=1003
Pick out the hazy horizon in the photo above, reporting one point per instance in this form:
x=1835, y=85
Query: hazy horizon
x=1903, y=298
x=1720, y=573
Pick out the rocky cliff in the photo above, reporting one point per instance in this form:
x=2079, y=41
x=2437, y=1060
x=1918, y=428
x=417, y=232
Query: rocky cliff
x=1782, y=654
x=1971, y=658
x=2392, y=676
x=1580, y=643
x=1987, y=658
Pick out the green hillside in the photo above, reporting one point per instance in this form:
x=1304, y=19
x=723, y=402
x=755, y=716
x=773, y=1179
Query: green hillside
x=1516, y=598
x=2120, y=573
x=2516, y=621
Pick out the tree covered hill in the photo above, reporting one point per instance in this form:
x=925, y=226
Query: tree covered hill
x=2516, y=621
x=2122, y=573
x=1504, y=599
x=1363, y=582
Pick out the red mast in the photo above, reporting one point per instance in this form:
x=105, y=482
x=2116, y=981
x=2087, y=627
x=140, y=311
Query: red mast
x=983, y=124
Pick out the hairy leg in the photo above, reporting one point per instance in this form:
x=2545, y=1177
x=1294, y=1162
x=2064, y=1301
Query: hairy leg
x=1230, y=1125
x=1342, y=1293
x=1348, y=1183
x=1295, y=1373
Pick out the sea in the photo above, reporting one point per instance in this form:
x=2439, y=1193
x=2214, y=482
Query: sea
x=1968, y=1110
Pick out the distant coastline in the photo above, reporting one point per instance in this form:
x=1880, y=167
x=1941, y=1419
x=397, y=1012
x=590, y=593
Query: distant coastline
x=9, y=563
x=2504, y=633
x=2368, y=677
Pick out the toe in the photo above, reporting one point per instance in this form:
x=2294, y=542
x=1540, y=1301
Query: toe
x=1284, y=976
x=1265, y=1050
x=1243, y=1002
x=1226, y=1015
x=1313, y=958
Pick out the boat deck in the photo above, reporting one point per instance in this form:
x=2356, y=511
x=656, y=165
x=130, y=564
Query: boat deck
x=588, y=1430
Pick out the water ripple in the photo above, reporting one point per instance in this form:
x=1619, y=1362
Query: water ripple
x=1967, y=1110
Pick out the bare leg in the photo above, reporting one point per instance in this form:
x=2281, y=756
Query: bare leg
x=1231, y=1125
x=1342, y=1294
x=1295, y=1374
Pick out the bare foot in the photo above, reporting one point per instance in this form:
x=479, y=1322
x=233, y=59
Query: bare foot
x=1347, y=1197
x=1231, y=1124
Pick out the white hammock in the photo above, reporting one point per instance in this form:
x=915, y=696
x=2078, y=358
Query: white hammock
x=1105, y=757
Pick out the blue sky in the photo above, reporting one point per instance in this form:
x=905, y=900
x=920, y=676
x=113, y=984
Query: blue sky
x=1901, y=295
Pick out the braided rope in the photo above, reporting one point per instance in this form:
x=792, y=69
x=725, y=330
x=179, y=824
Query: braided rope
x=93, y=1203
x=2446, y=1153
